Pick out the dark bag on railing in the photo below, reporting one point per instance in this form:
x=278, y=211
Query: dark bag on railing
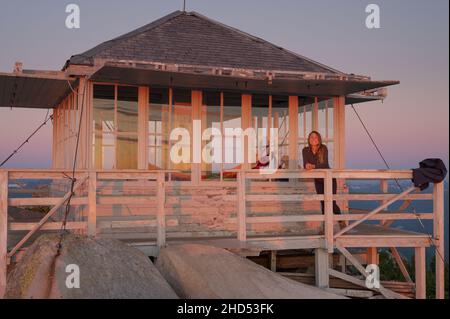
x=432, y=170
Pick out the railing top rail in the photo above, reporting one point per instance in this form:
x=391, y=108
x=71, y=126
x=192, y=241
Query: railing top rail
x=66, y=173
x=363, y=174
x=63, y=170
x=336, y=173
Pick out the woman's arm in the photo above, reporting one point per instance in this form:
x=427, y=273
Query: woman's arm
x=304, y=155
x=307, y=159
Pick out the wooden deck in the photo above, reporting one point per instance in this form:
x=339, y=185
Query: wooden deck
x=159, y=225
x=362, y=236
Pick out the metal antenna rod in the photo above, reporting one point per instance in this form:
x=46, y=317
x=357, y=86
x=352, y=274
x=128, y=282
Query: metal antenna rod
x=184, y=5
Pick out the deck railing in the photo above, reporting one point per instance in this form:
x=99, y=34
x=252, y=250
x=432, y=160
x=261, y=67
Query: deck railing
x=328, y=197
x=89, y=180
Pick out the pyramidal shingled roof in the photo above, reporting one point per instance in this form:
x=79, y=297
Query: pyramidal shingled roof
x=192, y=39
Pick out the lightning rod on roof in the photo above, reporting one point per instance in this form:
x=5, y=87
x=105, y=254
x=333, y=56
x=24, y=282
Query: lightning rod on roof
x=184, y=5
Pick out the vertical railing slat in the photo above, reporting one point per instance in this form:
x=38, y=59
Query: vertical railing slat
x=241, y=207
x=420, y=271
x=438, y=231
x=328, y=205
x=92, y=199
x=161, y=216
x=3, y=230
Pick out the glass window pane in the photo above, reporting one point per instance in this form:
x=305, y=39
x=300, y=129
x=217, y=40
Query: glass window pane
x=260, y=122
x=158, y=129
x=330, y=104
x=108, y=157
x=127, y=108
x=127, y=152
x=103, y=125
x=322, y=119
x=306, y=105
x=308, y=110
x=104, y=151
x=211, y=120
x=104, y=108
x=232, y=112
x=280, y=115
x=325, y=118
x=182, y=118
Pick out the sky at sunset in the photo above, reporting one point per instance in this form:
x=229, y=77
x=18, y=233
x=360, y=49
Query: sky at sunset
x=411, y=46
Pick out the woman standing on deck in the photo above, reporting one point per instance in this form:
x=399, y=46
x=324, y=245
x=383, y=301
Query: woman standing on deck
x=315, y=156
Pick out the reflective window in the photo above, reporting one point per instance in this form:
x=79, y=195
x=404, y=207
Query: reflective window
x=232, y=119
x=280, y=115
x=211, y=121
x=158, y=129
x=115, y=146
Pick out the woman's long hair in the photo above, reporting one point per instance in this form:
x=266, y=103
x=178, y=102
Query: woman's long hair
x=320, y=150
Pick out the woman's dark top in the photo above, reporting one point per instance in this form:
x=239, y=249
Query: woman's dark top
x=311, y=158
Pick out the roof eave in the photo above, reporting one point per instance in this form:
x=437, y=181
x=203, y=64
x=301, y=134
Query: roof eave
x=319, y=86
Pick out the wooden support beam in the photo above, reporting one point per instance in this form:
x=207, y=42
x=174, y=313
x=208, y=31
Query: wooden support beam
x=401, y=264
x=438, y=231
x=293, y=132
x=352, y=293
x=273, y=260
x=38, y=226
x=372, y=256
x=143, y=98
x=161, y=216
x=384, y=188
x=385, y=292
x=321, y=268
x=3, y=230
x=352, y=260
x=92, y=209
x=44, y=201
x=375, y=211
x=196, y=169
x=420, y=269
x=246, y=122
x=48, y=226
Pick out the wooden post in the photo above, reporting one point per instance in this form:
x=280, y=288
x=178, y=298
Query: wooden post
x=246, y=122
x=241, y=208
x=372, y=256
x=401, y=264
x=92, y=199
x=328, y=199
x=420, y=268
x=3, y=230
x=273, y=260
x=438, y=231
x=196, y=168
x=143, y=127
x=161, y=216
x=293, y=132
x=384, y=188
x=321, y=268
x=339, y=144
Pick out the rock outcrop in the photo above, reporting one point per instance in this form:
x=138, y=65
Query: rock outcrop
x=199, y=271
x=107, y=269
